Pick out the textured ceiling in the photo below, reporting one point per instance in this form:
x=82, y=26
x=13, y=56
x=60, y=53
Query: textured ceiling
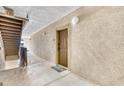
x=40, y=16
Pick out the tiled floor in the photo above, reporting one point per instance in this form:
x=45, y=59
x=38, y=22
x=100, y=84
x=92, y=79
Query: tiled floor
x=39, y=72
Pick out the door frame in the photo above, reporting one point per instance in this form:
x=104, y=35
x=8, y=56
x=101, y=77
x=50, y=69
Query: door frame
x=69, y=45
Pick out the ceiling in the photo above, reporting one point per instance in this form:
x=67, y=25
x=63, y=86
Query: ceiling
x=40, y=16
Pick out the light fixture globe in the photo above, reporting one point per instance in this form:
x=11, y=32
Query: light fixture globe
x=75, y=20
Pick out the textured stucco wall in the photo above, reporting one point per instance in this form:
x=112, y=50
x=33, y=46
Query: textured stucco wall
x=2, y=59
x=45, y=44
x=97, y=43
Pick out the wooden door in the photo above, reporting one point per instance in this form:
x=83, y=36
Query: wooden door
x=63, y=47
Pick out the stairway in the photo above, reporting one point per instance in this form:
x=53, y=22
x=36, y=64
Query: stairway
x=11, y=29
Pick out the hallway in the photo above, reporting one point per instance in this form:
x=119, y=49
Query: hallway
x=86, y=40
x=39, y=72
x=61, y=46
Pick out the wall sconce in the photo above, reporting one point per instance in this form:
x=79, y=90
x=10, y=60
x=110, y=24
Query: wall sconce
x=75, y=20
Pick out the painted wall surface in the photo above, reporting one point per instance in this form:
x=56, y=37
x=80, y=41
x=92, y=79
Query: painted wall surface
x=2, y=59
x=96, y=43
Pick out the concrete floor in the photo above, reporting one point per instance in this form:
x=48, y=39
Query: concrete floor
x=11, y=62
x=39, y=73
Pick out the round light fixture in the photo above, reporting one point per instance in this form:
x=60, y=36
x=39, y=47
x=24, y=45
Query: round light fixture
x=75, y=20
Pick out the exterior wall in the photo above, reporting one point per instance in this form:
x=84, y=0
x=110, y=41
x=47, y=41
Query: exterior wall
x=96, y=43
x=2, y=59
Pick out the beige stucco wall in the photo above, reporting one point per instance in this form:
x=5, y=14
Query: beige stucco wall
x=96, y=43
x=2, y=59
